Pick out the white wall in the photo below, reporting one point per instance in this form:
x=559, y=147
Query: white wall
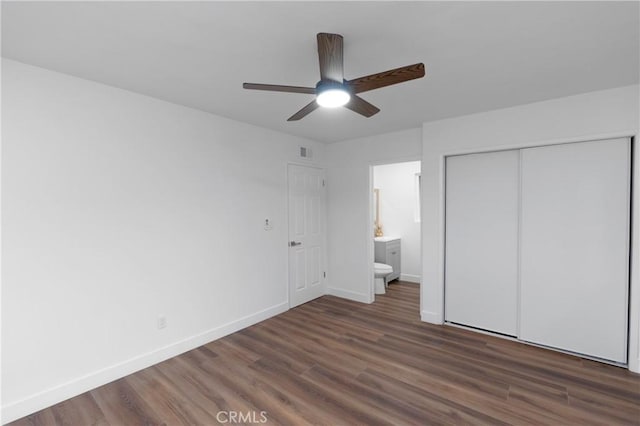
x=349, y=196
x=118, y=208
x=398, y=210
x=589, y=116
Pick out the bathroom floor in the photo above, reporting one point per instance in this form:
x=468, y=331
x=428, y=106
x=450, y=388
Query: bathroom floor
x=333, y=361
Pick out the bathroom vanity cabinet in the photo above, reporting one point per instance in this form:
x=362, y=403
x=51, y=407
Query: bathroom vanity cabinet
x=387, y=250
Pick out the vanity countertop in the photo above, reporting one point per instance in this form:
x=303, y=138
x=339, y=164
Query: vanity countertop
x=385, y=239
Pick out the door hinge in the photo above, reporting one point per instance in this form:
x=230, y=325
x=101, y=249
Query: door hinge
x=324, y=275
x=322, y=182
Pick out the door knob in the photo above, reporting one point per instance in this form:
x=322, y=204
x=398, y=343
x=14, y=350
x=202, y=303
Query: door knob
x=294, y=243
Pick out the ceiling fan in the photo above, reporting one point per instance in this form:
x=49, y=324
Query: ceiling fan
x=333, y=90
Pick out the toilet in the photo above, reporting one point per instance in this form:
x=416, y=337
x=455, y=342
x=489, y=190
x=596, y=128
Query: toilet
x=380, y=271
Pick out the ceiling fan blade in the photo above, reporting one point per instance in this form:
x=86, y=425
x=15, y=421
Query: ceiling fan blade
x=362, y=107
x=310, y=107
x=386, y=78
x=279, y=88
x=330, y=54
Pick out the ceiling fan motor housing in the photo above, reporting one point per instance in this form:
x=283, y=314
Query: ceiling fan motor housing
x=325, y=85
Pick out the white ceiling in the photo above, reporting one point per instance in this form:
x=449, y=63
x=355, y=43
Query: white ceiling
x=478, y=55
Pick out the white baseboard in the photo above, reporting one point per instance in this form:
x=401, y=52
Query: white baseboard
x=54, y=395
x=634, y=365
x=410, y=278
x=351, y=295
x=431, y=317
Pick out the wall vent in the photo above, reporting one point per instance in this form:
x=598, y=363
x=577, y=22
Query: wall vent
x=305, y=152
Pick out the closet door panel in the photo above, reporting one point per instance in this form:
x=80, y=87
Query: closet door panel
x=482, y=240
x=574, y=247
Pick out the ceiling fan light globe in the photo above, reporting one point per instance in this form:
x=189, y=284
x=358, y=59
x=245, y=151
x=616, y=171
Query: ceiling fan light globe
x=333, y=98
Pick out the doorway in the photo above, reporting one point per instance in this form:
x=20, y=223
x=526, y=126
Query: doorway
x=395, y=218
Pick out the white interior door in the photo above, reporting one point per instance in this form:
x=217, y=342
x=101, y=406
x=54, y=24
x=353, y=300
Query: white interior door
x=575, y=235
x=306, y=234
x=481, y=274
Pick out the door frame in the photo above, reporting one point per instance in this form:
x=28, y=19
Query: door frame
x=371, y=221
x=325, y=253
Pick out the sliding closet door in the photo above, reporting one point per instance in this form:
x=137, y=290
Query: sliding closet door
x=574, y=258
x=482, y=241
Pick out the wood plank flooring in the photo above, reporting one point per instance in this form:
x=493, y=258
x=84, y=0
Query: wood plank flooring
x=337, y=362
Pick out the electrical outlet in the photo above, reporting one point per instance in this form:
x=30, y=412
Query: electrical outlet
x=162, y=322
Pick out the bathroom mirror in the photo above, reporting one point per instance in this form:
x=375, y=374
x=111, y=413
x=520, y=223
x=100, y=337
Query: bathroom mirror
x=377, y=226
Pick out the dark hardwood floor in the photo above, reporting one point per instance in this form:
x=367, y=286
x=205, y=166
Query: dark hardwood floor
x=337, y=362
